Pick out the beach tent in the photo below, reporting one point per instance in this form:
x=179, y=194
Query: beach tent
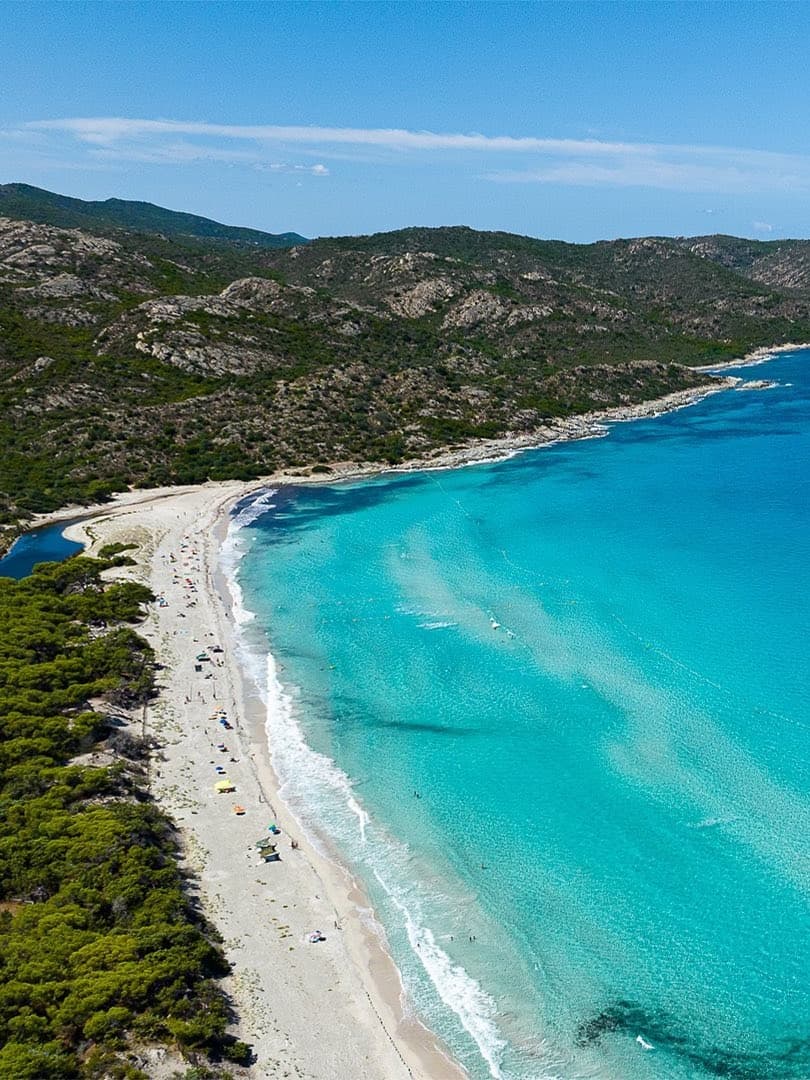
x=224, y=785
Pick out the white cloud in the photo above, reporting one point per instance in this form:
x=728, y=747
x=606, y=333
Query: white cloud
x=763, y=226
x=109, y=130
x=283, y=167
x=588, y=162
x=174, y=152
x=178, y=151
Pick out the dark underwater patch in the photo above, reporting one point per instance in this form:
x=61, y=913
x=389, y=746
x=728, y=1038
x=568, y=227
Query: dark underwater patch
x=787, y=1059
x=297, y=508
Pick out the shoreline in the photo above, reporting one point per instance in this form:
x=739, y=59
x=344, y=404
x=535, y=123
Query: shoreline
x=588, y=425
x=757, y=356
x=479, y=451
x=377, y=1035
x=335, y=1008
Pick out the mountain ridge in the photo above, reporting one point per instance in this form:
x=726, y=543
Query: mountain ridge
x=28, y=203
x=131, y=358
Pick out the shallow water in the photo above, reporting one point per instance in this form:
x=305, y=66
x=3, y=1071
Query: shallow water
x=558, y=705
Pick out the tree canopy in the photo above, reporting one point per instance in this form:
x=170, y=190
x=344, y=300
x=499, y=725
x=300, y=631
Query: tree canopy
x=99, y=943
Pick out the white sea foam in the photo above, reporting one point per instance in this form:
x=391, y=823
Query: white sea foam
x=433, y=620
x=316, y=790
x=710, y=822
x=232, y=549
x=302, y=770
x=311, y=780
x=458, y=990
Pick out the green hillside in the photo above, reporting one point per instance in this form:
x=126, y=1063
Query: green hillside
x=23, y=202
x=142, y=358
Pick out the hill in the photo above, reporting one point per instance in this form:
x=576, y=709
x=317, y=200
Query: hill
x=22, y=202
x=133, y=358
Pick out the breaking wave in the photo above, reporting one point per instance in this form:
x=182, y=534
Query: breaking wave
x=322, y=797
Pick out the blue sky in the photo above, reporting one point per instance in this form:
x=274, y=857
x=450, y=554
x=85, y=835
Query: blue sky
x=577, y=121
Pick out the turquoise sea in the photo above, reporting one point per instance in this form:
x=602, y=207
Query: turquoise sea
x=554, y=713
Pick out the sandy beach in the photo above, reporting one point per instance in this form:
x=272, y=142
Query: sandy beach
x=756, y=356
x=326, y=1010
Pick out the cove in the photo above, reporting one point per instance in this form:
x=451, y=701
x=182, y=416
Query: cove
x=552, y=712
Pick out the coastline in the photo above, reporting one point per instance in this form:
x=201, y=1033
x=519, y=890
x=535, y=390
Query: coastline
x=333, y=1009
x=757, y=356
x=476, y=451
x=588, y=425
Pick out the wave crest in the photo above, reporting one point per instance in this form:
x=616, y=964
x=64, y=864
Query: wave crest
x=318, y=791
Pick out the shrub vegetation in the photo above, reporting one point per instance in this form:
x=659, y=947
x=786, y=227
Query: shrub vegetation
x=99, y=943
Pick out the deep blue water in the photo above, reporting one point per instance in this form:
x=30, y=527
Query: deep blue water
x=39, y=545
x=559, y=704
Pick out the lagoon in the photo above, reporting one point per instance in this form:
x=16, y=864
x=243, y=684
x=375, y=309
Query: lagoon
x=47, y=544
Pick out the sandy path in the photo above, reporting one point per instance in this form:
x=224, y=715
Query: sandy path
x=327, y=1011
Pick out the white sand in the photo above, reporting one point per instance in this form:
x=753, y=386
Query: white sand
x=327, y=1011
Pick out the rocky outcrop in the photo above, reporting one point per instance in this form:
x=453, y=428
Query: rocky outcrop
x=230, y=333
x=784, y=270
x=422, y=298
x=65, y=287
x=528, y=314
x=254, y=292
x=191, y=353
x=29, y=251
x=183, y=331
x=477, y=307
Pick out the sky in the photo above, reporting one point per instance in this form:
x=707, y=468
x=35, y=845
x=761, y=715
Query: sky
x=575, y=121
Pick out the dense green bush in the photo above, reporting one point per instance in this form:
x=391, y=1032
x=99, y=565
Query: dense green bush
x=98, y=942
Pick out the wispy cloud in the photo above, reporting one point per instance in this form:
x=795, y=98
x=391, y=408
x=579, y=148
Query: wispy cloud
x=524, y=159
x=283, y=167
x=763, y=226
x=181, y=152
x=707, y=172
x=178, y=152
x=112, y=130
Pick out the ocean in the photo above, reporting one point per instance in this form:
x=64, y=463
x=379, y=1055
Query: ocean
x=553, y=713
